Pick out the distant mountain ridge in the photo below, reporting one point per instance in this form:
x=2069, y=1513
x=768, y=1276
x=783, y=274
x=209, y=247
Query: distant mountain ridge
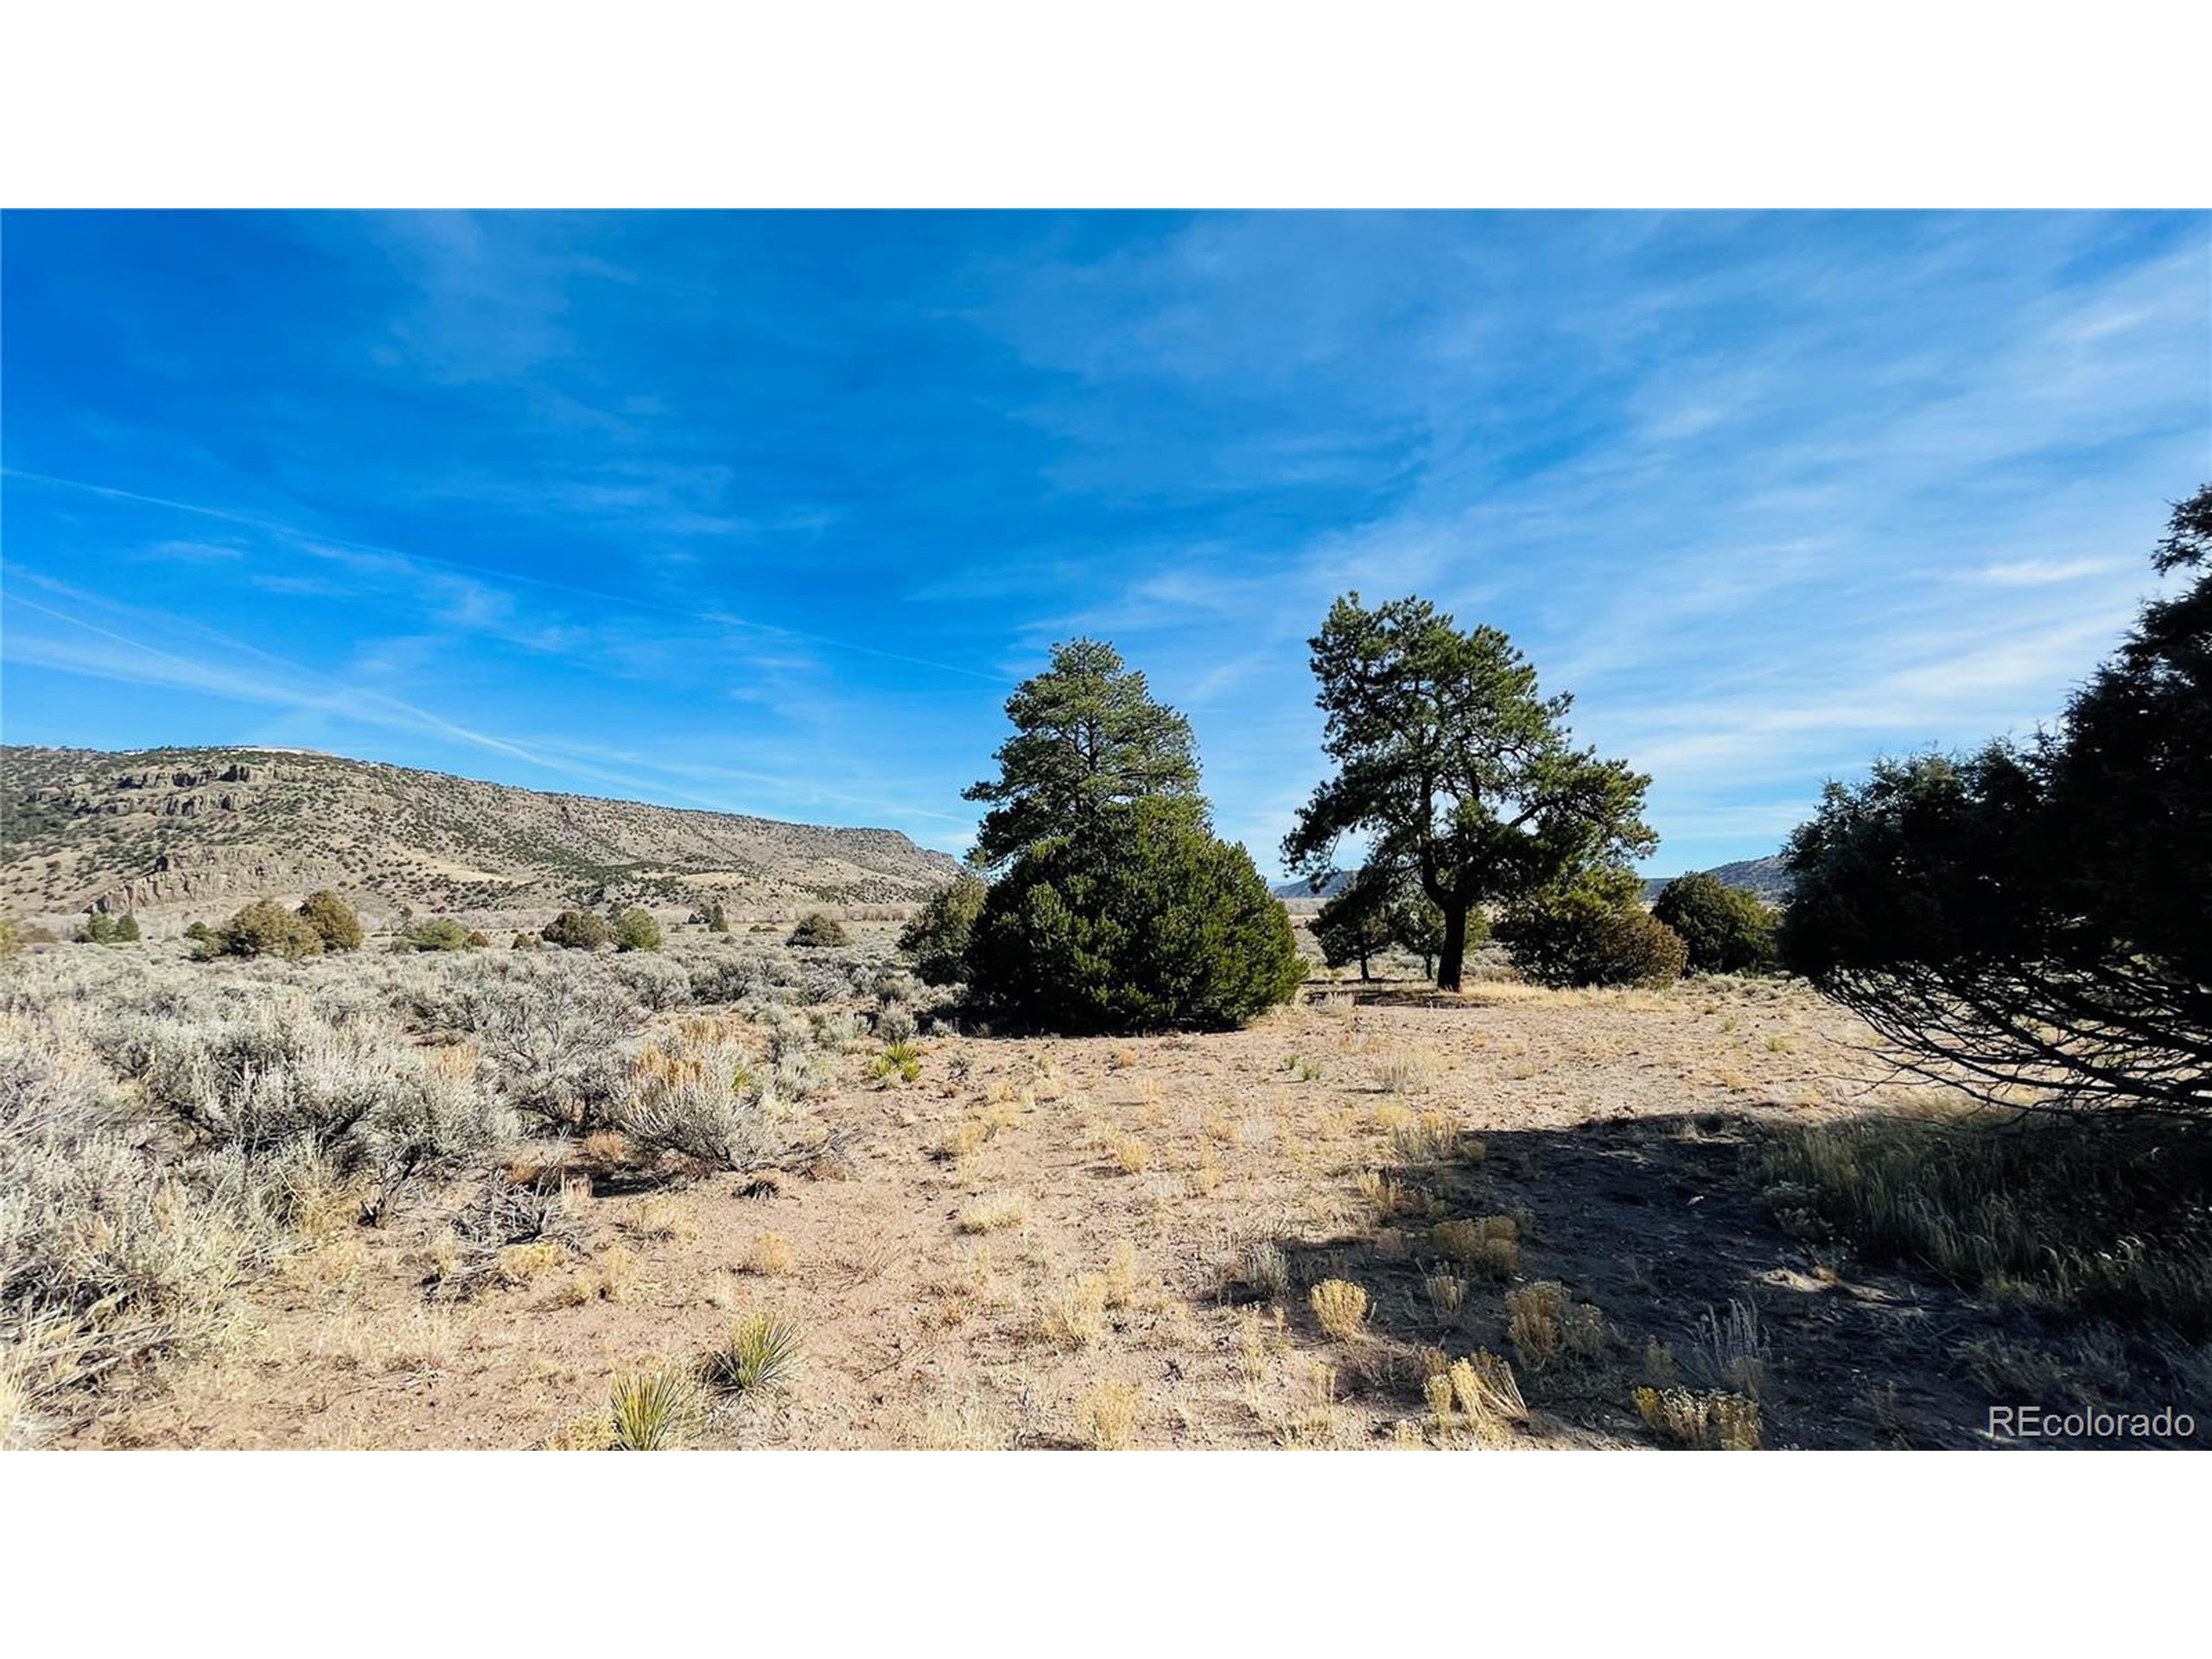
x=1768, y=877
x=1301, y=889
x=202, y=830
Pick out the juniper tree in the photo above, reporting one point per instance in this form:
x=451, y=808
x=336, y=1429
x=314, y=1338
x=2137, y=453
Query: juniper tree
x=1355, y=924
x=2038, y=916
x=1088, y=736
x=1455, y=768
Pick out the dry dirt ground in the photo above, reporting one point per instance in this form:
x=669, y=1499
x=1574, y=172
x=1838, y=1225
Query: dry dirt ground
x=1037, y=1244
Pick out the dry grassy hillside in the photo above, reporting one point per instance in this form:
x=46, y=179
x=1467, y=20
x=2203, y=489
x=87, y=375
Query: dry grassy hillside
x=172, y=833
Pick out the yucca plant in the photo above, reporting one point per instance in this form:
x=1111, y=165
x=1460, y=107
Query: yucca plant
x=652, y=1408
x=901, y=1060
x=763, y=1352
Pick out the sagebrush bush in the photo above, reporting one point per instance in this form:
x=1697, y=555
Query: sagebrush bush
x=551, y=1031
x=936, y=940
x=658, y=983
x=283, y=1080
x=731, y=978
x=1142, y=922
x=107, y=1253
x=333, y=919
x=1724, y=930
x=701, y=1102
x=1593, y=932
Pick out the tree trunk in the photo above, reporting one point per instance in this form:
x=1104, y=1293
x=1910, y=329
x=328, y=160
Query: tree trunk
x=1454, y=952
x=1363, y=967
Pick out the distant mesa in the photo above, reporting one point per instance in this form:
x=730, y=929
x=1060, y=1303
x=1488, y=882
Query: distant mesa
x=190, y=831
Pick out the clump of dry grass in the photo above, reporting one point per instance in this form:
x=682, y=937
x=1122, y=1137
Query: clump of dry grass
x=1074, y=1314
x=1446, y=1293
x=770, y=1254
x=1488, y=1396
x=1732, y=1349
x=993, y=1212
x=965, y=1140
x=1259, y=1268
x=518, y=1264
x=1431, y=1138
x=1488, y=1247
x=1388, y=1197
x=1107, y=1416
x=1708, y=1422
x=1408, y=1072
x=660, y=1217
x=592, y=1432
x=2073, y=1217
x=965, y=1424
x=1130, y=1155
x=612, y=1278
x=1340, y=1308
x=1547, y=1326
x=654, y=1407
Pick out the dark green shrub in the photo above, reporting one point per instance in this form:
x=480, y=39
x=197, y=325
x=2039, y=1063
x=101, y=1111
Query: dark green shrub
x=528, y=942
x=936, y=941
x=265, y=928
x=1724, y=929
x=439, y=933
x=1355, y=925
x=1592, y=931
x=333, y=918
x=820, y=930
x=1140, y=921
x=717, y=918
x=578, y=929
x=636, y=929
x=101, y=929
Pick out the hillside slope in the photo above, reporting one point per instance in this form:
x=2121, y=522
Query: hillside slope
x=1767, y=877
x=199, y=830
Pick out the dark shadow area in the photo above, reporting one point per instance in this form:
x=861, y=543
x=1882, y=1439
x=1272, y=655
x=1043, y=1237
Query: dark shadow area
x=1656, y=1222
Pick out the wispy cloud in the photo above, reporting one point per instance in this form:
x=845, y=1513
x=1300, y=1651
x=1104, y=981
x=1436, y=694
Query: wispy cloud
x=772, y=509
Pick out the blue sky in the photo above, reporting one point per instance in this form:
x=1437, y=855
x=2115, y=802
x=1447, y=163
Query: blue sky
x=767, y=512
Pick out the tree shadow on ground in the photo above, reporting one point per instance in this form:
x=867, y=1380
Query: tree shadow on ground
x=1654, y=1221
